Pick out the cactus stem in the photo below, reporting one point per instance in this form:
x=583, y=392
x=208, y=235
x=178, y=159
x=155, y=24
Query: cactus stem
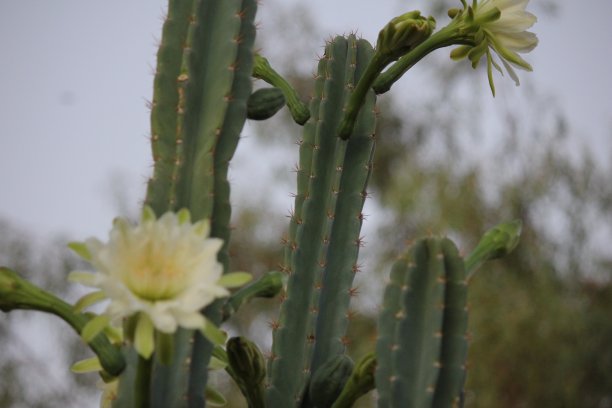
x=263, y=70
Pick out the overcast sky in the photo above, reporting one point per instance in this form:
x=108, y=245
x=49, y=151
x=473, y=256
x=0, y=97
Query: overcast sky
x=75, y=75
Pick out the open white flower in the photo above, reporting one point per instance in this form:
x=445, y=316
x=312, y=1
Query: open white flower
x=163, y=270
x=499, y=25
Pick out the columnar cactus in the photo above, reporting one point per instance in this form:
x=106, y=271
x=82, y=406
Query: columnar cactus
x=177, y=258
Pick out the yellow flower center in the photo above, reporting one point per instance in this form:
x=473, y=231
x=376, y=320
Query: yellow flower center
x=154, y=273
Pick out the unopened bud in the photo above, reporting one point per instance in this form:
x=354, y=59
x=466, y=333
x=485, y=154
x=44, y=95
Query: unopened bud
x=403, y=33
x=246, y=360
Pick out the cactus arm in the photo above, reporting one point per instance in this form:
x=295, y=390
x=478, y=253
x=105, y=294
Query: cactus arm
x=415, y=351
x=263, y=70
x=303, y=171
x=335, y=168
x=454, y=330
x=231, y=32
x=495, y=243
x=422, y=342
x=166, y=106
x=344, y=241
x=209, y=102
x=17, y=293
x=289, y=367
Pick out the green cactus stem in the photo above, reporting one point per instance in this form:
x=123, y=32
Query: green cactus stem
x=168, y=105
x=18, y=294
x=263, y=70
x=226, y=35
x=341, y=258
x=423, y=344
x=289, y=368
x=192, y=154
x=303, y=170
x=315, y=206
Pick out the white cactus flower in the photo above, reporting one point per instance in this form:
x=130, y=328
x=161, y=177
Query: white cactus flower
x=499, y=25
x=163, y=270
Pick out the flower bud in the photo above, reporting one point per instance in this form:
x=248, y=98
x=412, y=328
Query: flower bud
x=403, y=33
x=246, y=360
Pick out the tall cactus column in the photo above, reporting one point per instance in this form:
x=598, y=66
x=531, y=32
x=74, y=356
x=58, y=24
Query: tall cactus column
x=323, y=183
x=240, y=42
x=344, y=239
x=198, y=111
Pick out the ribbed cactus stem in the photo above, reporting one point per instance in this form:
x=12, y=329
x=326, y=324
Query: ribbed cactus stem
x=423, y=343
x=227, y=34
x=303, y=171
x=167, y=105
x=289, y=368
x=202, y=84
x=344, y=236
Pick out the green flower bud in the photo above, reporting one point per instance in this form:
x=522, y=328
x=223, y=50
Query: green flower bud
x=328, y=381
x=246, y=360
x=403, y=33
x=359, y=383
x=499, y=241
x=248, y=368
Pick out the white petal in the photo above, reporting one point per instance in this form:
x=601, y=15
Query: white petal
x=190, y=320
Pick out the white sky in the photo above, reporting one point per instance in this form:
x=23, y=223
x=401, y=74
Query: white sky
x=74, y=77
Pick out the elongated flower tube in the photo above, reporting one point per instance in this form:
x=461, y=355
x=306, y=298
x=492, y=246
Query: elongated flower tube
x=500, y=26
x=162, y=271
